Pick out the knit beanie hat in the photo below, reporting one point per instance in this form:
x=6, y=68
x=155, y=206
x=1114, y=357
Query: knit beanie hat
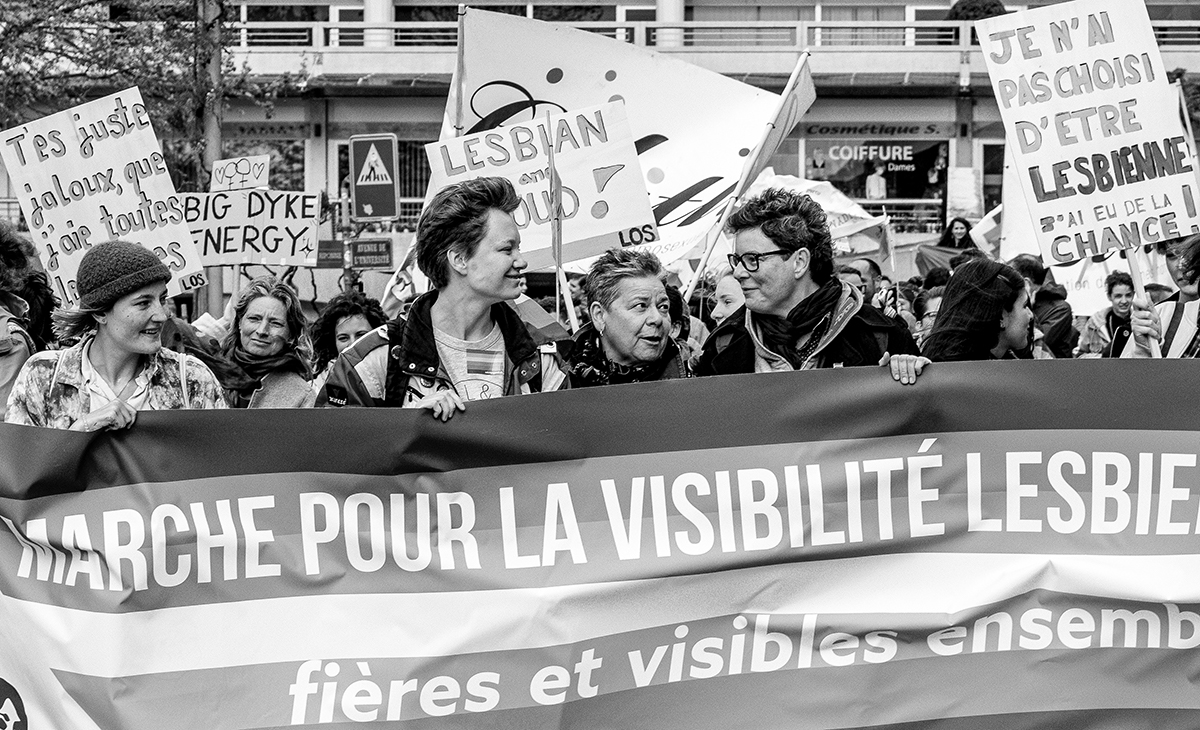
x=111, y=270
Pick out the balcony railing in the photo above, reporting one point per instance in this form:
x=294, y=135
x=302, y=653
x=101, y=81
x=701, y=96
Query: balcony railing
x=945, y=36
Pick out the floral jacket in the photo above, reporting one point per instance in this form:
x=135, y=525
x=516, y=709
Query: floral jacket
x=49, y=391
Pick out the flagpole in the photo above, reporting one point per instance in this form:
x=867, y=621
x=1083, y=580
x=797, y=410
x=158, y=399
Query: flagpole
x=562, y=288
x=709, y=245
x=460, y=74
x=798, y=92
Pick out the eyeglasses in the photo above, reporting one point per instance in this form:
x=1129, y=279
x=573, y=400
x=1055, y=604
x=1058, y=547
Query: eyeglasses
x=751, y=261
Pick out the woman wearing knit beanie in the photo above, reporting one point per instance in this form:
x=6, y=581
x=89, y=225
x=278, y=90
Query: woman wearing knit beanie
x=269, y=342
x=117, y=365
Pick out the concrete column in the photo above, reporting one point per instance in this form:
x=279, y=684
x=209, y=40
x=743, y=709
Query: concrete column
x=378, y=11
x=669, y=11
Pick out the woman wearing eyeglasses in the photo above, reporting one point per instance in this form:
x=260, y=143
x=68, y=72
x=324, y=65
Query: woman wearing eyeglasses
x=925, y=309
x=798, y=315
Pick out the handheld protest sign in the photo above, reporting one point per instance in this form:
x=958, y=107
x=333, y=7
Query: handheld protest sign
x=272, y=227
x=240, y=173
x=1101, y=155
x=94, y=173
x=694, y=127
x=374, y=178
x=605, y=203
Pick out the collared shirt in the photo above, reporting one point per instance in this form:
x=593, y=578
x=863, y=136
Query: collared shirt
x=51, y=392
x=101, y=393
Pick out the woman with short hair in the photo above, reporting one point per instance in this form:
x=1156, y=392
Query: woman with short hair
x=268, y=340
x=984, y=314
x=629, y=337
x=117, y=365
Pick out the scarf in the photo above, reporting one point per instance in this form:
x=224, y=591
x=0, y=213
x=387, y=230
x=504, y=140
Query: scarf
x=809, y=317
x=256, y=368
x=589, y=366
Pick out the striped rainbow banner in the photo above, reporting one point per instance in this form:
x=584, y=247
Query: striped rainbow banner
x=1008, y=545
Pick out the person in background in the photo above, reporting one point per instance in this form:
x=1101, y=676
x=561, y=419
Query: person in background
x=16, y=343
x=347, y=317
x=687, y=331
x=984, y=314
x=1158, y=293
x=853, y=277
x=798, y=315
x=268, y=340
x=727, y=295
x=117, y=365
x=872, y=277
x=628, y=339
x=925, y=309
x=1107, y=330
x=937, y=276
x=969, y=254
x=1052, y=314
x=1174, y=322
x=461, y=341
x=42, y=301
x=957, y=234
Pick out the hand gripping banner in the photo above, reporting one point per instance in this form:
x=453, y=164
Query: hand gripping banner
x=1008, y=545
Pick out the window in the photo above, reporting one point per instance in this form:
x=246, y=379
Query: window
x=729, y=13
x=448, y=13
x=864, y=14
x=283, y=36
x=345, y=36
x=575, y=13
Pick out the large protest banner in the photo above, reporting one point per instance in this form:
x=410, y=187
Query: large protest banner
x=94, y=173
x=860, y=554
x=693, y=128
x=272, y=227
x=605, y=204
x=1093, y=122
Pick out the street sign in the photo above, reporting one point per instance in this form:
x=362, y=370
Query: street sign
x=374, y=253
x=330, y=254
x=374, y=178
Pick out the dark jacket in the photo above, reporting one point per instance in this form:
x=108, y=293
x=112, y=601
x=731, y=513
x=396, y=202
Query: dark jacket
x=589, y=366
x=1053, y=316
x=397, y=364
x=858, y=335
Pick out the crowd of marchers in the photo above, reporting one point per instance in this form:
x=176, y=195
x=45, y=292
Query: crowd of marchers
x=780, y=302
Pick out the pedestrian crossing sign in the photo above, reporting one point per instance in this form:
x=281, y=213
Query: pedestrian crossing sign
x=374, y=192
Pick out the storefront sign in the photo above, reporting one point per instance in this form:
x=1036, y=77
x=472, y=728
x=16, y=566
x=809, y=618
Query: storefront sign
x=940, y=130
x=879, y=169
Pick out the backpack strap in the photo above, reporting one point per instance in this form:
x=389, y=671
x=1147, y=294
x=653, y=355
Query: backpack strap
x=183, y=384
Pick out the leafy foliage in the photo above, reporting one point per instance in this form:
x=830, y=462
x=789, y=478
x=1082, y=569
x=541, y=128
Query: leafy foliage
x=59, y=53
x=976, y=9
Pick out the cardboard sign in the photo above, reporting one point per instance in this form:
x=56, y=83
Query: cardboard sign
x=375, y=253
x=605, y=204
x=240, y=173
x=94, y=173
x=694, y=128
x=272, y=227
x=1103, y=160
